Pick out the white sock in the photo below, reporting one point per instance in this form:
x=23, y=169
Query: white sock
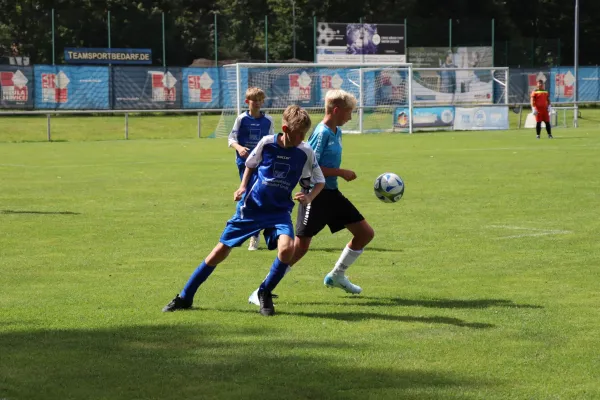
x=346, y=259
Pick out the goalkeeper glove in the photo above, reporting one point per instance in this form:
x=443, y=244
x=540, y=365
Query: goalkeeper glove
x=549, y=109
x=535, y=112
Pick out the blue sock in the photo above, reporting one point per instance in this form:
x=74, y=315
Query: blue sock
x=200, y=275
x=276, y=274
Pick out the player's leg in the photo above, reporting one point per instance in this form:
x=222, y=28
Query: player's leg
x=185, y=299
x=538, y=128
x=310, y=220
x=548, y=128
x=348, y=217
x=236, y=232
x=285, y=252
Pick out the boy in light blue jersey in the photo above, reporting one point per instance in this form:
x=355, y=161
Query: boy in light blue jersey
x=331, y=208
x=280, y=162
x=248, y=129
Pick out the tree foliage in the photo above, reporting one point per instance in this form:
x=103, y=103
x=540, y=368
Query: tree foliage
x=542, y=30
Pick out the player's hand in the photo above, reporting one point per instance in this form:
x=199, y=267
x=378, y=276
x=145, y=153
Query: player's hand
x=243, y=151
x=535, y=111
x=348, y=175
x=550, y=109
x=303, y=198
x=237, y=195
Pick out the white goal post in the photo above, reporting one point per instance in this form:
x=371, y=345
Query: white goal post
x=392, y=97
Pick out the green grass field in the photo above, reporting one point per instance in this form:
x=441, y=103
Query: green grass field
x=483, y=282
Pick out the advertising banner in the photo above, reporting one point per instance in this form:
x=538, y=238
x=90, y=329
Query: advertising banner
x=455, y=57
x=562, y=88
x=107, y=56
x=16, y=87
x=140, y=88
x=425, y=118
x=481, y=119
x=71, y=88
x=201, y=88
x=447, y=85
x=299, y=86
x=522, y=82
x=356, y=43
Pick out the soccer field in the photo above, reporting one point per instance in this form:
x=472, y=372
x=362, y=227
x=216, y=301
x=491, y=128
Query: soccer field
x=483, y=282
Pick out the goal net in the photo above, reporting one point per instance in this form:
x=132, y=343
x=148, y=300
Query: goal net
x=391, y=97
x=380, y=91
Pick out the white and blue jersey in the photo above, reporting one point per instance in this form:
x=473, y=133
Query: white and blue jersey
x=327, y=146
x=247, y=132
x=268, y=203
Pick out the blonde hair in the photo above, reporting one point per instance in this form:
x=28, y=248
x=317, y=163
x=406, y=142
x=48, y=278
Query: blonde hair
x=297, y=119
x=339, y=98
x=255, y=94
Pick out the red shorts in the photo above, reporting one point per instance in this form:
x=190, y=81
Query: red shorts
x=542, y=116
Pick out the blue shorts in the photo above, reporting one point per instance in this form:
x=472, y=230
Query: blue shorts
x=238, y=230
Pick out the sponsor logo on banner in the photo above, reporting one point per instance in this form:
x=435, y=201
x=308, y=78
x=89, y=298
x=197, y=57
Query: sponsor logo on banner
x=55, y=88
x=163, y=86
x=564, y=84
x=14, y=86
x=480, y=118
x=200, y=88
x=394, y=81
x=300, y=86
x=533, y=79
x=329, y=82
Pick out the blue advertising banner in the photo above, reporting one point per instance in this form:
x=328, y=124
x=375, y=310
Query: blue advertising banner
x=481, y=119
x=141, y=88
x=425, y=118
x=107, y=56
x=337, y=79
x=294, y=86
x=16, y=87
x=71, y=88
x=563, y=84
x=201, y=88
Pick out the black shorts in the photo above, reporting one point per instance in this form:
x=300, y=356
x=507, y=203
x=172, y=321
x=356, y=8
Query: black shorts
x=329, y=208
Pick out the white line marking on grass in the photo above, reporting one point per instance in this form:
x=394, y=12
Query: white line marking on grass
x=531, y=231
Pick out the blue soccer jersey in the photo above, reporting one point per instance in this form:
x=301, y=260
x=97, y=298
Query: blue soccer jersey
x=327, y=146
x=247, y=131
x=279, y=170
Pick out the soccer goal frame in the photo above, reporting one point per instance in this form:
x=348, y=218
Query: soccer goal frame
x=362, y=69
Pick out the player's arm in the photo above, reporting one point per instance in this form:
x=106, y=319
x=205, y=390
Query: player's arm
x=272, y=127
x=233, y=138
x=532, y=102
x=313, y=172
x=237, y=195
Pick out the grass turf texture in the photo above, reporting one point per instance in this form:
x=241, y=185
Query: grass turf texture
x=482, y=282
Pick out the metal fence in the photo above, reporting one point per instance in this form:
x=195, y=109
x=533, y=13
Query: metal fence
x=209, y=42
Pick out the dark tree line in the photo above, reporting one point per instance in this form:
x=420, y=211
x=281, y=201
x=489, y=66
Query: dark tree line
x=543, y=30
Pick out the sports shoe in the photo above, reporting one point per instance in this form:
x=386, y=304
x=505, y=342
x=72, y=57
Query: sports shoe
x=342, y=282
x=177, y=304
x=253, y=299
x=254, y=243
x=537, y=137
x=550, y=137
x=266, y=303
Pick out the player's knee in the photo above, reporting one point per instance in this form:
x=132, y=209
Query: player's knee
x=286, y=253
x=368, y=234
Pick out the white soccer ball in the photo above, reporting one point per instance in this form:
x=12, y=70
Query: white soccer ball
x=389, y=187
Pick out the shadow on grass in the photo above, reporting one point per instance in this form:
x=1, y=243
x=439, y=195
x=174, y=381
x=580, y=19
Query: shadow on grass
x=339, y=249
x=429, y=303
x=359, y=316
x=39, y=212
x=209, y=361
